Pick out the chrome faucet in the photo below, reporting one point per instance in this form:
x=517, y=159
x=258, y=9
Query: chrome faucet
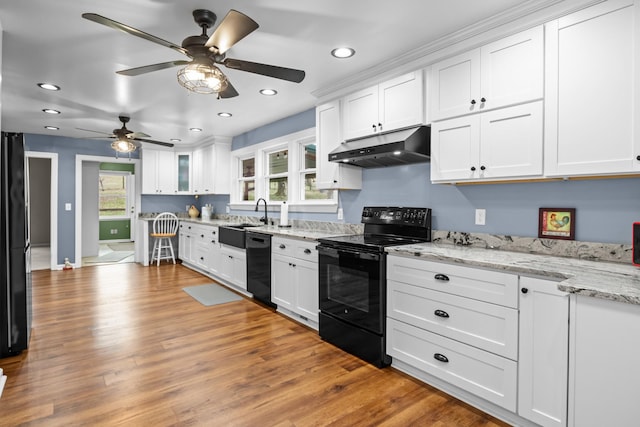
x=263, y=219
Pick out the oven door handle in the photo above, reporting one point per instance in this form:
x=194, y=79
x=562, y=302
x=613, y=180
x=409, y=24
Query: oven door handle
x=347, y=253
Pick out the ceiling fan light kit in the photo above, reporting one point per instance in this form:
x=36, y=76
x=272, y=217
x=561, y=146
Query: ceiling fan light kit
x=202, y=78
x=123, y=146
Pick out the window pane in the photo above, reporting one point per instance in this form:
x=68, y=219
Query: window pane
x=310, y=156
x=248, y=190
x=278, y=189
x=249, y=167
x=113, y=195
x=278, y=162
x=183, y=172
x=310, y=190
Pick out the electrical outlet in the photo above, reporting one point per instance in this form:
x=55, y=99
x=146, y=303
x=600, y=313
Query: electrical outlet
x=228, y=209
x=481, y=216
x=340, y=213
x=187, y=208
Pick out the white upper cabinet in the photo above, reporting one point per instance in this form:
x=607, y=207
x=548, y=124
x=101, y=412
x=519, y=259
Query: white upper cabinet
x=506, y=72
x=501, y=144
x=331, y=175
x=184, y=171
x=592, y=93
x=158, y=172
x=222, y=168
x=394, y=104
x=203, y=170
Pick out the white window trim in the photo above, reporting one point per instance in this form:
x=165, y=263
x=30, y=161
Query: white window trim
x=292, y=142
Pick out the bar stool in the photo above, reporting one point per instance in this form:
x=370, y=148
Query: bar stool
x=165, y=227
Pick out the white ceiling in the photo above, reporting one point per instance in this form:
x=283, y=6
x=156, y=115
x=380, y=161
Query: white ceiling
x=49, y=41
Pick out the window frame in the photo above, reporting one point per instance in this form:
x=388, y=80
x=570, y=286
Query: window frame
x=294, y=143
x=127, y=194
x=242, y=179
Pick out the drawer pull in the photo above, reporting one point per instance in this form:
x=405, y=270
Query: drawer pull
x=442, y=277
x=282, y=246
x=441, y=358
x=441, y=313
x=524, y=290
x=307, y=251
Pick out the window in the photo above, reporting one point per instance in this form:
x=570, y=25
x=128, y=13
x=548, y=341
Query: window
x=308, y=175
x=277, y=175
x=112, y=201
x=247, y=180
x=280, y=170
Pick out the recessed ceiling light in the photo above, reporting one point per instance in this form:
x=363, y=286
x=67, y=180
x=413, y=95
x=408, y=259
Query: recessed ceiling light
x=50, y=111
x=48, y=86
x=175, y=140
x=268, y=92
x=397, y=153
x=195, y=129
x=224, y=114
x=52, y=127
x=343, y=52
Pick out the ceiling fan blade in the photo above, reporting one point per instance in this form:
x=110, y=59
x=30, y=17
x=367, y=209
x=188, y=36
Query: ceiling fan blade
x=229, y=92
x=133, y=31
x=233, y=28
x=150, y=141
x=150, y=68
x=138, y=135
x=282, y=73
x=108, y=135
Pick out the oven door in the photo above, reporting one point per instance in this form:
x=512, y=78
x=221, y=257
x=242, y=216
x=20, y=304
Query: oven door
x=352, y=286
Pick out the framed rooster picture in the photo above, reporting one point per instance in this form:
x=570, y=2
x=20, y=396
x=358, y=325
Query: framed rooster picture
x=557, y=223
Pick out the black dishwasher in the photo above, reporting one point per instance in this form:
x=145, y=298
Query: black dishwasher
x=258, y=247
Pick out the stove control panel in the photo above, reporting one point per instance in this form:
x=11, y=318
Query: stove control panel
x=420, y=217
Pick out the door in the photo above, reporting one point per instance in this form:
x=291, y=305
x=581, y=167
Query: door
x=360, y=113
x=455, y=149
x=455, y=86
x=401, y=102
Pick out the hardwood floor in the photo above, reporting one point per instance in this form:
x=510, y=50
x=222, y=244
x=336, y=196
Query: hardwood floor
x=124, y=345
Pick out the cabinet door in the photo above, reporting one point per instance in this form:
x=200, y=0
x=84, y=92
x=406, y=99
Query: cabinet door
x=225, y=264
x=282, y=282
x=511, y=142
x=512, y=69
x=166, y=172
x=221, y=163
x=307, y=289
x=183, y=168
x=401, y=102
x=544, y=347
x=332, y=175
x=360, y=113
x=239, y=274
x=455, y=86
x=149, y=171
x=203, y=170
x=593, y=118
x=455, y=149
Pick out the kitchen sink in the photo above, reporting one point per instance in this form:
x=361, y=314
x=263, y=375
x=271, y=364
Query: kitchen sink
x=233, y=234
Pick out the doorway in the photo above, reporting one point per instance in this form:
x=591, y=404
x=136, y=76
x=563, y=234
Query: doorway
x=108, y=200
x=42, y=202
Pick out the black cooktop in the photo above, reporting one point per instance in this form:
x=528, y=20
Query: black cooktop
x=374, y=241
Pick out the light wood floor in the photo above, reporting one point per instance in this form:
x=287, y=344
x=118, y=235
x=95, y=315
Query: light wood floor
x=124, y=345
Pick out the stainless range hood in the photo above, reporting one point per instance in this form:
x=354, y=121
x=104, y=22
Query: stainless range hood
x=400, y=147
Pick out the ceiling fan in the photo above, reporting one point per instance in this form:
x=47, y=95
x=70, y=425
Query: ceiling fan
x=126, y=141
x=201, y=75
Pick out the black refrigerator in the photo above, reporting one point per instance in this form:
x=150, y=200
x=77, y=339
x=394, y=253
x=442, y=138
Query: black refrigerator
x=15, y=254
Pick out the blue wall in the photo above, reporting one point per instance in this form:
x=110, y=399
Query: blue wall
x=67, y=149
x=605, y=208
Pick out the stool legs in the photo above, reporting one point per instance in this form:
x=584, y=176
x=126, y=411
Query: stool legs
x=159, y=244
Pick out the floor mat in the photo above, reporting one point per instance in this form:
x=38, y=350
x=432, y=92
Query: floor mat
x=211, y=294
x=109, y=257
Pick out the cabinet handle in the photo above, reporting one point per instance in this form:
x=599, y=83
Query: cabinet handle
x=482, y=168
x=213, y=241
x=441, y=313
x=380, y=126
x=483, y=99
x=442, y=277
x=473, y=102
x=441, y=358
x=202, y=235
x=230, y=256
x=335, y=181
x=524, y=290
x=307, y=251
x=374, y=127
x=638, y=158
x=473, y=168
x=293, y=265
x=282, y=246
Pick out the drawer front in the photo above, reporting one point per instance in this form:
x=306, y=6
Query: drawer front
x=487, y=326
x=484, y=374
x=282, y=246
x=483, y=285
x=305, y=250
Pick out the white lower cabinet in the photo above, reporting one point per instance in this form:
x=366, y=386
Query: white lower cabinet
x=232, y=266
x=493, y=339
x=294, y=279
x=603, y=357
x=544, y=347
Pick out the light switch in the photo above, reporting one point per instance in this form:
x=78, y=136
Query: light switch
x=481, y=216
x=67, y=206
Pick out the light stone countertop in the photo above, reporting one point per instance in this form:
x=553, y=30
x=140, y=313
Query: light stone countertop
x=606, y=280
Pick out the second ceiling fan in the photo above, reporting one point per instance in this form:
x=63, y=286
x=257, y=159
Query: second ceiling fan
x=201, y=75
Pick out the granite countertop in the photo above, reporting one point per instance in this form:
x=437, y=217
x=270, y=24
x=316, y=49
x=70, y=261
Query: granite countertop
x=606, y=280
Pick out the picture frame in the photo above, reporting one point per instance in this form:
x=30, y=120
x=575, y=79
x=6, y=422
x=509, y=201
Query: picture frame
x=557, y=223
